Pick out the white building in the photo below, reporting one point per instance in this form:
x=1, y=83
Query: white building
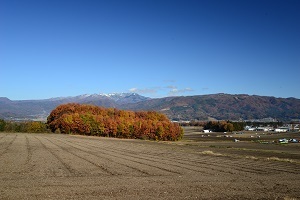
x=282, y=129
x=262, y=129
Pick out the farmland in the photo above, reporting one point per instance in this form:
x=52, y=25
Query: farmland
x=56, y=166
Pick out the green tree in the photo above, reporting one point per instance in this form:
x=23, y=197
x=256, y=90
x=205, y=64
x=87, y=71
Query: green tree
x=2, y=125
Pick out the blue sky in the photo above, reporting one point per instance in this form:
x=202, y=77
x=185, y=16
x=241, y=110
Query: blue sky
x=53, y=48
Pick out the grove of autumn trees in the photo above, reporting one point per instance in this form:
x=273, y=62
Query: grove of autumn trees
x=229, y=126
x=23, y=127
x=218, y=126
x=75, y=118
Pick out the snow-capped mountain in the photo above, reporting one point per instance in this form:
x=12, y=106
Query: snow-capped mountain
x=202, y=107
x=118, y=98
x=125, y=98
x=33, y=109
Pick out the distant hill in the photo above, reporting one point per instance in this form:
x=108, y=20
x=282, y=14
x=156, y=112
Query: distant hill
x=201, y=107
x=223, y=106
x=40, y=109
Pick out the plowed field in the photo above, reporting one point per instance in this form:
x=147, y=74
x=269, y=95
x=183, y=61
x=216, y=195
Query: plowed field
x=53, y=166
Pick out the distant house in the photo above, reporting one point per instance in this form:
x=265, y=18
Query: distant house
x=282, y=129
x=250, y=128
x=262, y=129
x=295, y=127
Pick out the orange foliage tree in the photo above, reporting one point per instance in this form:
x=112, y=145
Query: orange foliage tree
x=111, y=122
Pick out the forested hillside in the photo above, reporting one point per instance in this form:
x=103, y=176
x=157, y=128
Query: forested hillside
x=200, y=107
x=223, y=107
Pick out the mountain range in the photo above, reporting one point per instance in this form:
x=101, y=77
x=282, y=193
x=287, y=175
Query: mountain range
x=199, y=107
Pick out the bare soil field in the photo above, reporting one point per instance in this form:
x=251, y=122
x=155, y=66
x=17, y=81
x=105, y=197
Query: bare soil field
x=54, y=166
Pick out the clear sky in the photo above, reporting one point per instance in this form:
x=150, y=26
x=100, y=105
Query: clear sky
x=157, y=48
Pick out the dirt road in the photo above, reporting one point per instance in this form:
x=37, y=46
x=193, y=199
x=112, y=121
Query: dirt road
x=52, y=166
